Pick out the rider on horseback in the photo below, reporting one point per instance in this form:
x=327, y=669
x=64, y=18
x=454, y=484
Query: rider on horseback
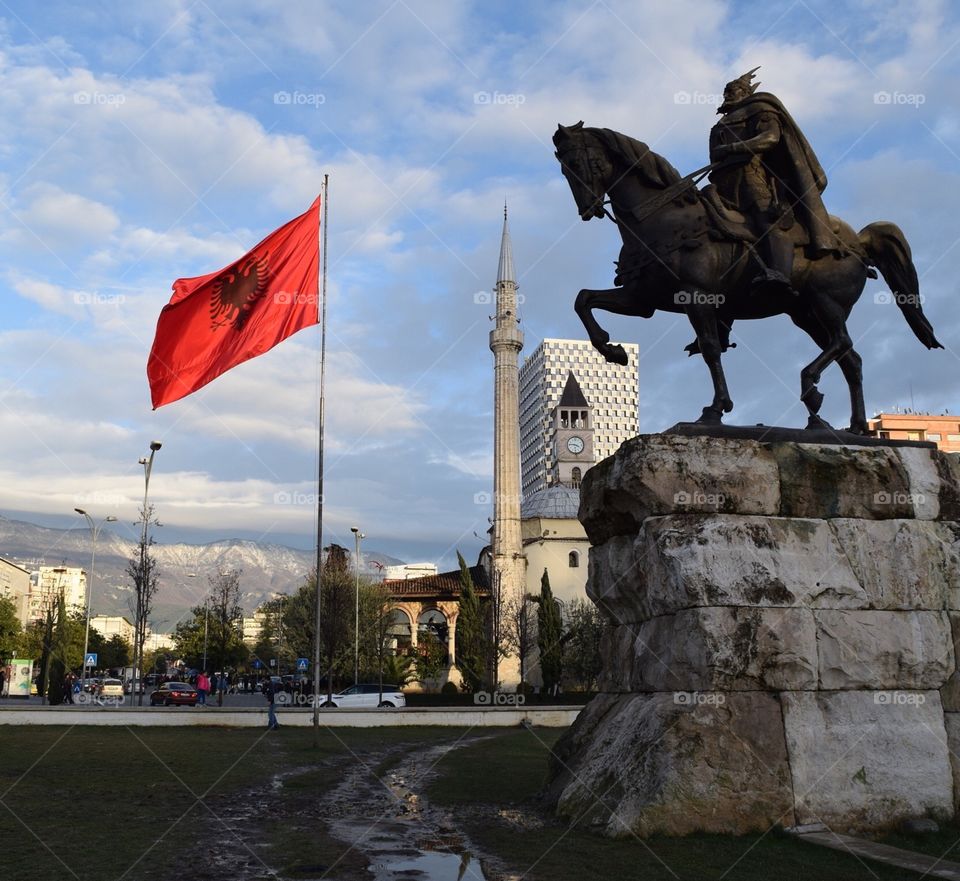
x=776, y=186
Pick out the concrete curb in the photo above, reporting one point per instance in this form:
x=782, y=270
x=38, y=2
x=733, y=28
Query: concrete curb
x=255, y=717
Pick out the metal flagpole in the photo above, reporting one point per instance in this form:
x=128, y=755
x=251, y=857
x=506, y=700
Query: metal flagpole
x=323, y=362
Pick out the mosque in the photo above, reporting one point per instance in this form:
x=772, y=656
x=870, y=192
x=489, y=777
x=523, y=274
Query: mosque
x=563, y=411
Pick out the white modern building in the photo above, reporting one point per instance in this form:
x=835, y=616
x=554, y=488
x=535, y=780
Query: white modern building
x=15, y=586
x=48, y=582
x=611, y=390
x=112, y=625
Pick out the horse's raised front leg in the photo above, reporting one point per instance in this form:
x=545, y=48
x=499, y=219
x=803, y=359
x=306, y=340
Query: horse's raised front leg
x=703, y=317
x=621, y=301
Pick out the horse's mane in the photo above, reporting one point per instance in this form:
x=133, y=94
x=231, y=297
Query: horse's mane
x=656, y=171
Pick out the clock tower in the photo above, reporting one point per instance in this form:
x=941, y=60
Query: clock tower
x=573, y=450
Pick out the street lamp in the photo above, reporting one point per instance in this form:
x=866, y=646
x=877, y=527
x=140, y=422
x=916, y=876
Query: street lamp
x=358, y=537
x=137, y=642
x=94, y=533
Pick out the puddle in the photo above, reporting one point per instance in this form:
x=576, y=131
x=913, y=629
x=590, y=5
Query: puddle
x=430, y=866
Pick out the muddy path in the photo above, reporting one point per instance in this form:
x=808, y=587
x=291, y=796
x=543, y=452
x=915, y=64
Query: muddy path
x=361, y=817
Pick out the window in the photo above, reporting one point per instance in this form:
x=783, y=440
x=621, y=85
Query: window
x=575, y=477
x=573, y=559
x=933, y=436
x=913, y=435
x=953, y=438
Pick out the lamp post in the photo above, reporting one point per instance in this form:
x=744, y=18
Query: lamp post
x=358, y=537
x=94, y=533
x=137, y=641
x=206, y=624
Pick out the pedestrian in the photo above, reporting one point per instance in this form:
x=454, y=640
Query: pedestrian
x=272, y=722
x=203, y=686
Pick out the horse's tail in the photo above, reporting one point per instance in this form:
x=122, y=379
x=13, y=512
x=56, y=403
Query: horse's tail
x=887, y=248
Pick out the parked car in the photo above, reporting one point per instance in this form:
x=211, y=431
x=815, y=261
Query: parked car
x=93, y=685
x=367, y=694
x=132, y=687
x=111, y=688
x=174, y=694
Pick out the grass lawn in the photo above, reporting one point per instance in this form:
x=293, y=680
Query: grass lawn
x=511, y=769
x=94, y=803
x=90, y=803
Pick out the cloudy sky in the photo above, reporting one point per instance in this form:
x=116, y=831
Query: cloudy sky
x=142, y=142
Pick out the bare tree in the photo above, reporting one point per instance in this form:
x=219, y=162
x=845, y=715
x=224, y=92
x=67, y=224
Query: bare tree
x=226, y=622
x=520, y=630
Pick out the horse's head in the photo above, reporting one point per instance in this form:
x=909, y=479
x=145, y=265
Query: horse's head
x=586, y=167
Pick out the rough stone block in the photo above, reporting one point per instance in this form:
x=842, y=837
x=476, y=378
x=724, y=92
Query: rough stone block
x=883, y=649
x=719, y=648
x=950, y=691
x=661, y=474
x=951, y=722
x=822, y=481
x=724, y=559
x=658, y=765
x=863, y=760
x=903, y=564
x=924, y=481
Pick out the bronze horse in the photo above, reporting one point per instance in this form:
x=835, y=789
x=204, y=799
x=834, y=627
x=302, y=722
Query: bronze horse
x=682, y=254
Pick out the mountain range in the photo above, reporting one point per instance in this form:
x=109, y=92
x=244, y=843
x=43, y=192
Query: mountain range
x=266, y=568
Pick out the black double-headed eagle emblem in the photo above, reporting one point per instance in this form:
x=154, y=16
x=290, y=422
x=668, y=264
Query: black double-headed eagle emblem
x=237, y=290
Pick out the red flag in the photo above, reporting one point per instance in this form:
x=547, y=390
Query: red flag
x=217, y=321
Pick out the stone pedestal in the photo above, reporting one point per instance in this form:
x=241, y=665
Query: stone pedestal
x=784, y=622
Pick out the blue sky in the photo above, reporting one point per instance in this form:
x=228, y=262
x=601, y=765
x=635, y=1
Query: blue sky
x=142, y=142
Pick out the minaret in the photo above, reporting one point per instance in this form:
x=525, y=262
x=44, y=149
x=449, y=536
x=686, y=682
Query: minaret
x=506, y=341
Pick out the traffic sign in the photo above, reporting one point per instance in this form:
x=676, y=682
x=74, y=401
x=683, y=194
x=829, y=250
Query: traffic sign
x=91, y=660
x=257, y=663
x=303, y=663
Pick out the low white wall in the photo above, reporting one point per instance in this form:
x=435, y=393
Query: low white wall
x=493, y=717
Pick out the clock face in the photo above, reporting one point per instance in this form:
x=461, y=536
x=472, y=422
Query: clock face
x=575, y=445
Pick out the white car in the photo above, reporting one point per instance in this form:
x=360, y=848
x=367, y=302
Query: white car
x=111, y=688
x=368, y=694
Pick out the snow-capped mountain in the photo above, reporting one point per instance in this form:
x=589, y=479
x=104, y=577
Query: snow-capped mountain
x=266, y=568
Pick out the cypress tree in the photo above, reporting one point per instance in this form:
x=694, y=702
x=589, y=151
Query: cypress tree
x=548, y=637
x=471, y=657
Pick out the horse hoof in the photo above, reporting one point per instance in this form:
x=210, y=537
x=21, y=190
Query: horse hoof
x=615, y=355
x=815, y=422
x=710, y=416
x=858, y=428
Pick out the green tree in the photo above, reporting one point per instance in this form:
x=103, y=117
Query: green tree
x=10, y=629
x=188, y=637
x=398, y=670
x=337, y=585
x=581, y=645
x=116, y=652
x=471, y=641
x=431, y=657
x=549, y=631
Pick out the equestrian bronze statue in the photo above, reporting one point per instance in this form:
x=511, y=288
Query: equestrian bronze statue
x=756, y=242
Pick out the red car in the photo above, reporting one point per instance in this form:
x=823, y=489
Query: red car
x=174, y=693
